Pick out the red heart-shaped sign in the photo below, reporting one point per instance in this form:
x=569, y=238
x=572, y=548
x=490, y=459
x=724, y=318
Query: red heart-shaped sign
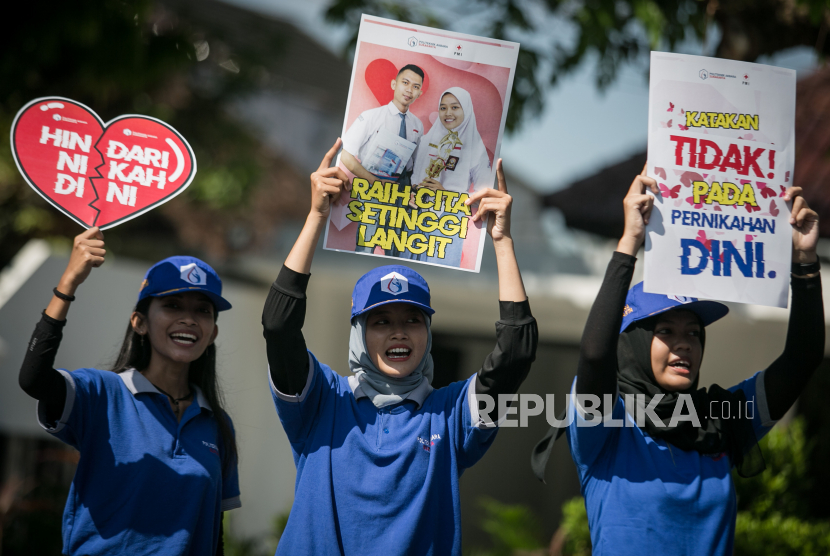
x=99, y=174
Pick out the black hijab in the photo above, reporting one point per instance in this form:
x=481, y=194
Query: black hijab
x=734, y=436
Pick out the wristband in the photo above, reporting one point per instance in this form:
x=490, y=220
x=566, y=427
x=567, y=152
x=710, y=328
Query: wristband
x=804, y=269
x=63, y=296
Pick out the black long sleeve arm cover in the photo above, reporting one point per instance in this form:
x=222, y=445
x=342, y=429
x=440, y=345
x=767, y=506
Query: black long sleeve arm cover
x=38, y=378
x=597, y=369
x=517, y=337
x=282, y=322
x=284, y=314
x=786, y=378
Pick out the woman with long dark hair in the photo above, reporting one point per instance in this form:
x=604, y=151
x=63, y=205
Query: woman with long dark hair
x=158, y=462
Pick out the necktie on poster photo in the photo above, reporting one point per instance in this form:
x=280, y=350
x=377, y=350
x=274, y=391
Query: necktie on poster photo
x=99, y=174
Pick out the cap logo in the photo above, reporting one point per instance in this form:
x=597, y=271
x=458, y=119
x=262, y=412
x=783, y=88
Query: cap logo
x=627, y=310
x=394, y=284
x=193, y=274
x=680, y=298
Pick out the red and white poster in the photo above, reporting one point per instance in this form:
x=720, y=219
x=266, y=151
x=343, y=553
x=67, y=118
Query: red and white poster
x=721, y=145
x=99, y=174
x=422, y=131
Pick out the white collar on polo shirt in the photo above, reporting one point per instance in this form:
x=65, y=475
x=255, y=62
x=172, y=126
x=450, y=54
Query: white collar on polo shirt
x=137, y=383
x=394, y=109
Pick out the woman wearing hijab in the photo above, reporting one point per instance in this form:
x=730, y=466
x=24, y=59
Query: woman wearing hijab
x=660, y=482
x=379, y=454
x=452, y=156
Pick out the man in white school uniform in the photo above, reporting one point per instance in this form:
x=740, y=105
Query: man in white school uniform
x=367, y=143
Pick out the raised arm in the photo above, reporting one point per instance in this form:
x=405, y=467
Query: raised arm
x=597, y=368
x=284, y=312
x=788, y=375
x=517, y=336
x=38, y=378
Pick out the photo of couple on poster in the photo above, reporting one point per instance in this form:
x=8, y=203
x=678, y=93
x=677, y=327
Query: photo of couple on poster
x=450, y=156
x=425, y=121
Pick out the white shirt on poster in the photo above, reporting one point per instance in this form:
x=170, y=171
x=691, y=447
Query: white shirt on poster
x=357, y=140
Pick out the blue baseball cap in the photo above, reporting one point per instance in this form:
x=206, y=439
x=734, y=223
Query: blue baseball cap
x=640, y=305
x=390, y=284
x=183, y=274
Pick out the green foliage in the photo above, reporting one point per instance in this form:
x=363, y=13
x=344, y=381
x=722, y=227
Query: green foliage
x=780, y=536
x=575, y=528
x=561, y=34
x=782, y=488
x=511, y=527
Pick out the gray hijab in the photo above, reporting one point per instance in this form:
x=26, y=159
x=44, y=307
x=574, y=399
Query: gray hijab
x=381, y=388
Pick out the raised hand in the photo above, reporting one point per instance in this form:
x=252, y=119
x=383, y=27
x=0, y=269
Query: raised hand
x=327, y=184
x=496, y=201
x=87, y=253
x=637, y=206
x=804, y=221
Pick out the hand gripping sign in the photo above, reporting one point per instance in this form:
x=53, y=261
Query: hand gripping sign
x=99, y=174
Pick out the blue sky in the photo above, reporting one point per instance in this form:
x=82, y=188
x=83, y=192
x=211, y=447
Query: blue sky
x=580, y=131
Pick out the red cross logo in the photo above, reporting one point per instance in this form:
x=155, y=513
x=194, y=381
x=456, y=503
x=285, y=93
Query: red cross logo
x=458, y=47
x=746, y=76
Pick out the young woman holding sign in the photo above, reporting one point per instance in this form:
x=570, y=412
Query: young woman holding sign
x=158, y=452
x=652, y=489
x=379, y=454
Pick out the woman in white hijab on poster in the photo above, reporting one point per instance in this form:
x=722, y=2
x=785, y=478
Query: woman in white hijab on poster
x=453, y=138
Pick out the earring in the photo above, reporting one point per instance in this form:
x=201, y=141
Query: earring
x=142, y=340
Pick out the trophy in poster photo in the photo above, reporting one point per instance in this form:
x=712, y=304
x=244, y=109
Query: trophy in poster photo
x=445, y=148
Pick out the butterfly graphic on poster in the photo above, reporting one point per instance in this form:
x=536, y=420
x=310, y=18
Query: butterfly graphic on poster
x=766, y=192
x=691, y=201
x=701, y=237
x=773, y=209
x=671, y=107
x=671, y=193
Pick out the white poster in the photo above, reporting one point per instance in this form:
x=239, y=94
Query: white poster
x=721, y=140
x=422, y=132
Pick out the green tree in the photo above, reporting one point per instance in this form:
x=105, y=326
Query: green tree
x=609, y=33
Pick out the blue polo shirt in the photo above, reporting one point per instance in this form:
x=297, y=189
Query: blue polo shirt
x=645, y=496
x=146, y=483
x=378, y=481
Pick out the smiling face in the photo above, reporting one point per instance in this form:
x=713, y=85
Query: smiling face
x=450, y=112
x=407, y=86
x=180, y=327
x=396, y=338
x=676, y=350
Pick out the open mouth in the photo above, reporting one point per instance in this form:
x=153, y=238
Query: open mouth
x=183, y=338
x=682, y=366
x=398, y=353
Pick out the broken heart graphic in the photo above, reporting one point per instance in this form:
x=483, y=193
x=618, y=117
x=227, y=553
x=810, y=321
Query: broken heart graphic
x=99, y=174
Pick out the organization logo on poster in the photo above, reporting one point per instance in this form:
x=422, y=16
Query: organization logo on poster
x=412, y=42
x=704, y=74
